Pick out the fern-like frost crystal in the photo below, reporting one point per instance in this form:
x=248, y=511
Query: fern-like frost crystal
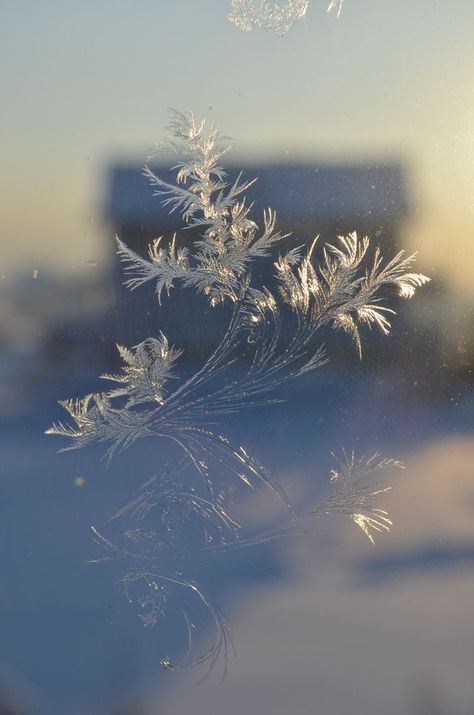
x=230, y=238
x=355, y=498
x=346, y=289
x=147, y=367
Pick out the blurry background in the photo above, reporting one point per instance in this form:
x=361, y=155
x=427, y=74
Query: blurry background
x=367, y=123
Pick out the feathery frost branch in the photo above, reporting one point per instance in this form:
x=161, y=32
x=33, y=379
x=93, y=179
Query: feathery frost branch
x=230, y=238
x=351, y=496
x=346, y=289
x=354, y=498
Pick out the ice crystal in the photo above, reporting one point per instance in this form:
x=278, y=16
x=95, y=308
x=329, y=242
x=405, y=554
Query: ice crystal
x=336, y=5
x=147, y=368
x=355, y=498
x=230, y=238
x=338, y=293
x=96, y=420
x=181, y=518
x=153, y=564
x=277, y=17
x=351, y=495
x=157, y=592
x=177, y=505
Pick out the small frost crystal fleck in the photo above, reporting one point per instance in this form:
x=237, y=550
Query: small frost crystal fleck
x=187, y=509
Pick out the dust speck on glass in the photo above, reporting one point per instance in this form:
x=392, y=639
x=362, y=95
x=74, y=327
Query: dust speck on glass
x=172, y=523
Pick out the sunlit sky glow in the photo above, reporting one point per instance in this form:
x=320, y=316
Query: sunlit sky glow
x=85, y=83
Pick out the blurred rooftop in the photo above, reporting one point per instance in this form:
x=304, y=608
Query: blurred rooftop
x=300, y=193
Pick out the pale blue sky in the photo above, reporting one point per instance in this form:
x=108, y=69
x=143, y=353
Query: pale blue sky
x=84, y=82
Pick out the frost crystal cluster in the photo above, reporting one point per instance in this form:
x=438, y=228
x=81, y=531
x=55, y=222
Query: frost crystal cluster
x=187, y=511
x=278, y=17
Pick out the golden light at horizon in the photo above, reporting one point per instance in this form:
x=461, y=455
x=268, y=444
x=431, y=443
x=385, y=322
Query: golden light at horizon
x=65, y=121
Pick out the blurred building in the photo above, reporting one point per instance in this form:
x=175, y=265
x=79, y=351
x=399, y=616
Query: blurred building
x=309, y=199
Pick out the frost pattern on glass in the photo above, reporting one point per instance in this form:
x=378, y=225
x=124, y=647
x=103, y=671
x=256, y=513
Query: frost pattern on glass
x=355, y=498
x=352, y=495
x=154, y=565
x=336, y=6
x=157, y=592
x=277, y=17
x=185, y=513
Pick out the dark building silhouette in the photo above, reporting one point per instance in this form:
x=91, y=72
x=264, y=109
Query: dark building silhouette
x=309, y=199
